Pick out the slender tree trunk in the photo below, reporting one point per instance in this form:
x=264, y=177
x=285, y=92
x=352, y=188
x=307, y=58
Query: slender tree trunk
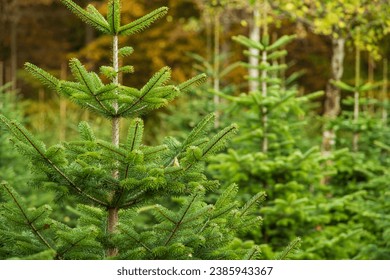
x=113, y=211
x=1, y=73
x=332, y=94
x=264, y=109
x=209, y=35
x=264, y=76
x=371, y=67
x=216, y=81
x=14, y=52
x=384, y=92
x=63, y=106
x=355, y=140
x=254, y=34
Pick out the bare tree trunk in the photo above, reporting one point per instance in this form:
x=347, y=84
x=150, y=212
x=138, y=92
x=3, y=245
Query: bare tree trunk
x=355, y=140
x=254, y=34
x=332, y=94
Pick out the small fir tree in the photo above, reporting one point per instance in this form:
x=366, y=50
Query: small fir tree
x=267, y=154
x=121, y=187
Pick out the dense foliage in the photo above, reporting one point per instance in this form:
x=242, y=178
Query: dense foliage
x=140, y=179
x=124, y=190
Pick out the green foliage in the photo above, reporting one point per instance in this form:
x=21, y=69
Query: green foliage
x=112, y=24
x=12, y=167
x=134, y=201
x=272, y=114
x=347, y=19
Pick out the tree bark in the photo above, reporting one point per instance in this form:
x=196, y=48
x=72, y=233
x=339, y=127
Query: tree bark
x=332, y=94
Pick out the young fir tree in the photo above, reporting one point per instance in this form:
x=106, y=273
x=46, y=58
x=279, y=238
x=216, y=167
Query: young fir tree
x=267, y=154
x=121, y=186
x=358, y=194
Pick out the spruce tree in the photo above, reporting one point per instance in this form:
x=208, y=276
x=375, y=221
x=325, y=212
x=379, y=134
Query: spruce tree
x=134, y=201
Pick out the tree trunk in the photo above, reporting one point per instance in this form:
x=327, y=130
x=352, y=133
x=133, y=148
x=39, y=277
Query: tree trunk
x=264, y=76
x=14, y=52
x=63, y=105
x=1, y=73
x=216, y=82
x=254, y=34
x=332, y=94
x=113, y=211
x=355, y=140
x=264, y=109
x=384, y=93
x=370, y=94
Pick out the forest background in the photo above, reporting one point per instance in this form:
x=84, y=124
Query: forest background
x=333, y=191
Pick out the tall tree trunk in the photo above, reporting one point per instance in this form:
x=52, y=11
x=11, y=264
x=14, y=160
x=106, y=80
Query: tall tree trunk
x=332, y=94
x=254, y=34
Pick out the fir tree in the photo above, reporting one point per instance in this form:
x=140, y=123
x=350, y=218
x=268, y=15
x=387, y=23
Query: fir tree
x=123, y=188
x=267, y=153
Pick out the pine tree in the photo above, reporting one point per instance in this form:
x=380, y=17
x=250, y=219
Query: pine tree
x=134, y=201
